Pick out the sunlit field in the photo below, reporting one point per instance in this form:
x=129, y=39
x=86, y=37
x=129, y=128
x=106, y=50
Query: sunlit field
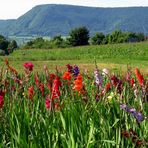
x=115, y=57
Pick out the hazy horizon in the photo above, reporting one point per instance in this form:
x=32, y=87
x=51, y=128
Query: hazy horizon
x=15, y=8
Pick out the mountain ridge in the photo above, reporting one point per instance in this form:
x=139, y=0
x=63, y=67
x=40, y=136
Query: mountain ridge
x=53, y=19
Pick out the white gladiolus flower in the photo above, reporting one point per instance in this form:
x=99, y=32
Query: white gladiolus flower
x=105, y=72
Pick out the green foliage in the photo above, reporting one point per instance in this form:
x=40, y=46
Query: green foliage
x=58, y=42
x=40, y=43
x=12, y=45
x=2, y=52
x=98, y=39
x=3, y=42
x=118, y=36
x=7, y=46
x=79, y=36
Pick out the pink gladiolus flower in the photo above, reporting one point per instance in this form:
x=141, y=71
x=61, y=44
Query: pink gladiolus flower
x=29, y=66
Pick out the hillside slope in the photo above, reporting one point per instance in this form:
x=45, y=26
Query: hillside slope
x=60, y=19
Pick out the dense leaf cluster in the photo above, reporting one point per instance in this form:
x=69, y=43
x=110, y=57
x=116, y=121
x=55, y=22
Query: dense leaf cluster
x=6, y=46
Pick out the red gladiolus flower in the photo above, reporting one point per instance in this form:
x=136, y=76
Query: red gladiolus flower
x=12, y=70
x=29, y=66
x=2, y=94
x=52, y=76
x=132, y=82
x=107, y=87
x=6, y=62
x=42, y=89
x=55, y=95
x=36, y=79
x=139, y=76
x=1, y=101
x=126, y=134
x=139, y=143
x=55, y=88
x=30, y=92
x=48, y=103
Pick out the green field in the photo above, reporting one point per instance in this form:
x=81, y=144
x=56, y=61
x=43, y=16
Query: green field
x=116, y=56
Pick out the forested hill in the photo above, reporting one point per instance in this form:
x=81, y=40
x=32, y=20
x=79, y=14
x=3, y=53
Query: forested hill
x=60, y=19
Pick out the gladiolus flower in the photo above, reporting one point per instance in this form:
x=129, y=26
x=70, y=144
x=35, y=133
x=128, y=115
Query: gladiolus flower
x=67, y=76
x=107, y=87
x=98, y=78
x=78, y=83
x=29, y=66
x=105, y=72
x=139, y=76
x=12, y=70
x=48, y=103
x=6, y=62
x=2, y=94
x=76, y=70
x=36, y=79
x=126, y=134
x=139, y=117
x=42, y=89
x=117, y=83
x=1, y=101
x=55, y=88
x=52, y=76
x=70, y=68
x=30, y=92
x=132, y=82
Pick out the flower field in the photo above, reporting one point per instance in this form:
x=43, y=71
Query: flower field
x=73, y=109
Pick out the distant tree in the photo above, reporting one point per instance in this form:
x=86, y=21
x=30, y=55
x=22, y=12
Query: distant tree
x=57, y=42
x=2, y=37
x=79, y=36
x=114, y=37
x=118, y=36
x=12, y=45
x=3, y=42
x=140, y=36
x=38, y=43
x=135, y=37
x=97, y=39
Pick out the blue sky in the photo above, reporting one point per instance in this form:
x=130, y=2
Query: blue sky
x=14, y=8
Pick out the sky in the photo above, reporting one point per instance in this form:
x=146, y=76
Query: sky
x=12, y=9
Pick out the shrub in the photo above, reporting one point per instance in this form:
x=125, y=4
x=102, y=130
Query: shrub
x=79, y=36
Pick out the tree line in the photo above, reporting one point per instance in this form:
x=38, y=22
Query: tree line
x=77, y=37
x=7, y=46
x=80, y=36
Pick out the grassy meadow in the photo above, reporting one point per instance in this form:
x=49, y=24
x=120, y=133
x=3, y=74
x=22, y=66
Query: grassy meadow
x=115, y=57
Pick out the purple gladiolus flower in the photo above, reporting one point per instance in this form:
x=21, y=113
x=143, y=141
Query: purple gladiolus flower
x=123, y=106
x=98, y=78
x=76, y=70
x=139, y=117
